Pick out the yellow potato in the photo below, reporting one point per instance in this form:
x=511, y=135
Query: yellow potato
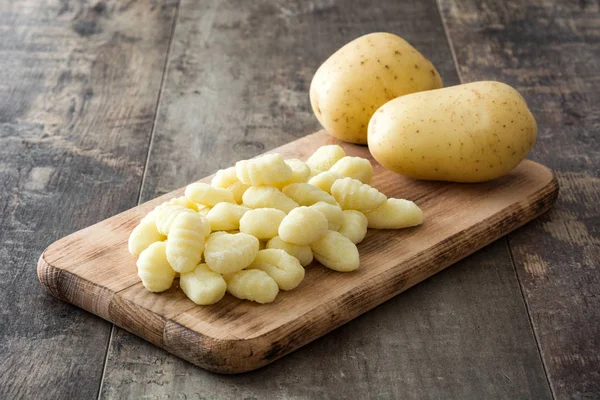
x=363, y=75
x=466, y=133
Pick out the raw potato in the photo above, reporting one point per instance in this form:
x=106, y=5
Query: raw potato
x=362, y=76
x=226, y=252
x=466, y=133
x=268, y=197
x=355, y=225
x=226, y=216
x=262, y=223
x=324, y=180
x=279, y=265
x=303, y=225
x=186, y=241
x=336, y=252
x=352, y=194
x=306, y=194
x=395, y=214
x=154, y=269
x=324, y=157
x=354, y=167
x=252, y=284
x=302, y=252
x=203, y=285
x=333, y=213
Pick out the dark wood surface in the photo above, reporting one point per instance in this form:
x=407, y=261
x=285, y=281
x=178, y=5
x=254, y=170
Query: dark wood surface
x=93, y=118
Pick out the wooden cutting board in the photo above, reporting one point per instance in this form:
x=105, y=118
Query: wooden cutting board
x=93, y=270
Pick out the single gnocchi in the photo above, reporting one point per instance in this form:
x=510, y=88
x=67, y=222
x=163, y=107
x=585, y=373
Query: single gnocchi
x=203, y=286
x=143, y=235
x=354, y=225
x=300, y=173
x=302, y=252
x=225, y=252
x=324, y=180
x=184, y=202
x=154, y=269
x=226, y=216
x=207, y=195
x=306, y=194
x=252, y=284
x=279, y=265
x=269, y=169
x=262, y=223
x=353, y=167
x=395, y=214
x=352, y=194
x=333, y=213
x=186, y=241
x=204, y=210
x=166, y=215
x=325, y=156
x=336, y=252
x=268, y=197
x=224, y=178
x=238, y=189
x=303, y=225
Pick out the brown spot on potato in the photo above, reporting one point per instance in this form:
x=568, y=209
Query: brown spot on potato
x=416, y=66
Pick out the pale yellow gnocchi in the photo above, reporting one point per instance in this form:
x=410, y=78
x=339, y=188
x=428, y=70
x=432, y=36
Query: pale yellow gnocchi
x=203, y=286
x=143, y=235
x=238, y=189
x=154, y=269
x=166, y=215
x=224, y=178
x=207, y=195
x=352, y=194
x=354, y=225
x=264, y=170
x=184, y=202
x=353, y=167
x=186, y=241
x=268, y=197
x=300, y=173
x=325, y=156
x=226, y=216
x=279, y=265
x=225, y=252
x=324, y=180
x=306, y=194
x=303, y=225
x=252, y=284
x=302, y=252
x=262, y=223
x=332, y=212
x=336, y=252
x=395, y=214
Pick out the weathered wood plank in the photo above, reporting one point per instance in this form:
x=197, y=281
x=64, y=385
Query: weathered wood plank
x=80, y=83
x=237, y=83
x=549, y=51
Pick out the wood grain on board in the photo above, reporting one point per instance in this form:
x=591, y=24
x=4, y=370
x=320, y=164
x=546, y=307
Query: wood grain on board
x=237, y=85
x=79, y=82
x=550, y=52
x=93, y=269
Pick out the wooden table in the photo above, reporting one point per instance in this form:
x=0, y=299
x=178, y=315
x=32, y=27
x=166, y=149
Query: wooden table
x=105, y=104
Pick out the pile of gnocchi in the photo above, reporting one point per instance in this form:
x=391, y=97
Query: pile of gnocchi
x=257, y=225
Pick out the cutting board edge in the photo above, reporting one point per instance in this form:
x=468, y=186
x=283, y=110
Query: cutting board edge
x=214, y=354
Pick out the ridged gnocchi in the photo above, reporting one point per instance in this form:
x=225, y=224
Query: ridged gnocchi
x=324, y=180
x=224, y=178
x=143, y=235
x=238, y=189
x=306, y=194
x=279, y=265
x=303, y=225
x=262, y=223
x=226, y=216
x=352, y=194
x=207, y=195
x=302, y=252
x=225, y=252
x=184, y=202
x=186, y=241
x=252, y=284
x=203, y=286
x=336, y=252
x=325, y=156
x=300, y=173
x=268, y=197
x=395, y=214
x=154, y=269
x=333, y=213
x=166, y=215
x=353, y=167
x=269, y=169
x=354, y=225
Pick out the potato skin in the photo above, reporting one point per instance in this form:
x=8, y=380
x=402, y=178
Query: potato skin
x=466, y=133
x=363, y=75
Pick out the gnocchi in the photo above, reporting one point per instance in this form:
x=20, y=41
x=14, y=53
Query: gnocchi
x=302, y=252
x=300, y=173
x=303, y=225
x=353, y=167
x=352, y=194
x=336, y=252
x=306, y=194
x=262, y=223
x=238, y=189
x=325, y=156
x=264, y=170
x=203, y=286
x=252, y=284
x=166, y=215
x=207, y=195
x=324, y=180
x=184, y=202
x=268, y=197
x=225, y=216
x=333, y=213
x=224, y=178
x=225, y=252
x=354, y=225
x=279, y=265
x=154, y=269
x=395, y=214
x=186, y=241
x=143, y=235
